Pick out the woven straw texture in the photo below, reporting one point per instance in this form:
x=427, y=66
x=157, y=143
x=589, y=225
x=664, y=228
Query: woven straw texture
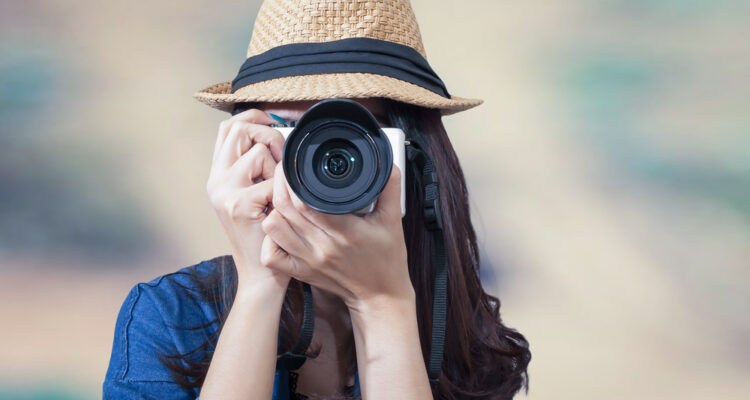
x=311, y=21
x=281, y=22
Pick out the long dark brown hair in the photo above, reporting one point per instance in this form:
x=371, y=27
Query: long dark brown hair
x=483, y=358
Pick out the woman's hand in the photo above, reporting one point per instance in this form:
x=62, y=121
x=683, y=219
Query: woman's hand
x=359, y=258
x=362, y=259
x=240, y=188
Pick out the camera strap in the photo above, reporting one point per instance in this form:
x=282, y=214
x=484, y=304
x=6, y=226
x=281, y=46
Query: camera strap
x=295, y=358
x=434, y=223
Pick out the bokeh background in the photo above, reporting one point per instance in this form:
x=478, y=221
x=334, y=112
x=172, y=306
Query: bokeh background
x=609, y=170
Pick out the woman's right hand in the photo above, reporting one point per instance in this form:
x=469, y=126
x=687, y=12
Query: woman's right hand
x=240, y=187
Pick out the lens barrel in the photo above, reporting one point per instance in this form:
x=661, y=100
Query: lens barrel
x=337, y=159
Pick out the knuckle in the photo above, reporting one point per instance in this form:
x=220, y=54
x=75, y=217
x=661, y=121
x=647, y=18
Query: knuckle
x=214, y=195
x=255, y=114
x=259, y=149
x=236, y=129
x=266, y=258
x=349, y=241
x=325, y=253
x=232, y=208
x=237, y=210
x=281, y=203
x=270, y=223
x=276, y=137
x=224, y=126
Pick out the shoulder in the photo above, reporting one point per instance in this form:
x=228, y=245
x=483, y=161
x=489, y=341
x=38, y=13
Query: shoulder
x=175, y=296
x=156, y=317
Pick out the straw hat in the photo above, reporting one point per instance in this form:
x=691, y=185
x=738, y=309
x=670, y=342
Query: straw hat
x=321, y=49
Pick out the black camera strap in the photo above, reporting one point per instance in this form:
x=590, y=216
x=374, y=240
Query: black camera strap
x=434, y=223
x=295, y=358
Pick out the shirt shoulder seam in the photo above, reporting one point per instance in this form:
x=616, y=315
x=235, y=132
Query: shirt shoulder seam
x=126, y=367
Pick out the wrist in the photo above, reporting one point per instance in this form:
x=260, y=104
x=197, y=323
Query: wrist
x=386, y=333
x=384, y=308
x=264, y=288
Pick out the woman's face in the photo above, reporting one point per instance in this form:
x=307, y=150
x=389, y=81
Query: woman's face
x=293, y=110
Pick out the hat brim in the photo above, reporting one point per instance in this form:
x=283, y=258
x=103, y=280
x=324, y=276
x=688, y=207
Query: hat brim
x=328, y=86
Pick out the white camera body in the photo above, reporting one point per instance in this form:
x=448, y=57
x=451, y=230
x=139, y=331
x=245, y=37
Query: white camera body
x=397, y=139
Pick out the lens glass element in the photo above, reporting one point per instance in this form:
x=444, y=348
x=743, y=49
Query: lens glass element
x=339, y=163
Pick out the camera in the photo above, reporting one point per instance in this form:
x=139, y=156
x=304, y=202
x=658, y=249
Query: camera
x=337, y=159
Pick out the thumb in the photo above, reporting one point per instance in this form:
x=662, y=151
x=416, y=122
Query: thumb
x=389, y=201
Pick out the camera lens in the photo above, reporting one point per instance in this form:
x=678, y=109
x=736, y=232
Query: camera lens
x=337, y=164
x=337, y=159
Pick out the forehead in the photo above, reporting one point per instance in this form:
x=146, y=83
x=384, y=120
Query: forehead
x=293, y=110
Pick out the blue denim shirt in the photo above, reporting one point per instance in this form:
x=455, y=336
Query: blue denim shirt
x=146, y=326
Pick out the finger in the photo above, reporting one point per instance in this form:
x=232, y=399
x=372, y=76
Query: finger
x=271, y=255
x=256, y=163
x=255, y=116
x=253, y=201
x=274, y=257
x=252, y=115
x=388, y=204
x=220, y=137
x=243, y=135
x=278, y=228
x=283, y=202
x=332, y=224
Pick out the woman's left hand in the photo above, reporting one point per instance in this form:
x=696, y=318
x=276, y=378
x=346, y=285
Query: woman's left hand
x=358, y=258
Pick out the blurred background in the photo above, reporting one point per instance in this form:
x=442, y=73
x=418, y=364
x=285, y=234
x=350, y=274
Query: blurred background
x=609, y=170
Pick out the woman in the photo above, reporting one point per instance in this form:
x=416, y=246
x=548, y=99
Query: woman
x=215, y=329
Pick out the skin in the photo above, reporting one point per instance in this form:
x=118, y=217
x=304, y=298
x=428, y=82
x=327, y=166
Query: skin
x=357, y=266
